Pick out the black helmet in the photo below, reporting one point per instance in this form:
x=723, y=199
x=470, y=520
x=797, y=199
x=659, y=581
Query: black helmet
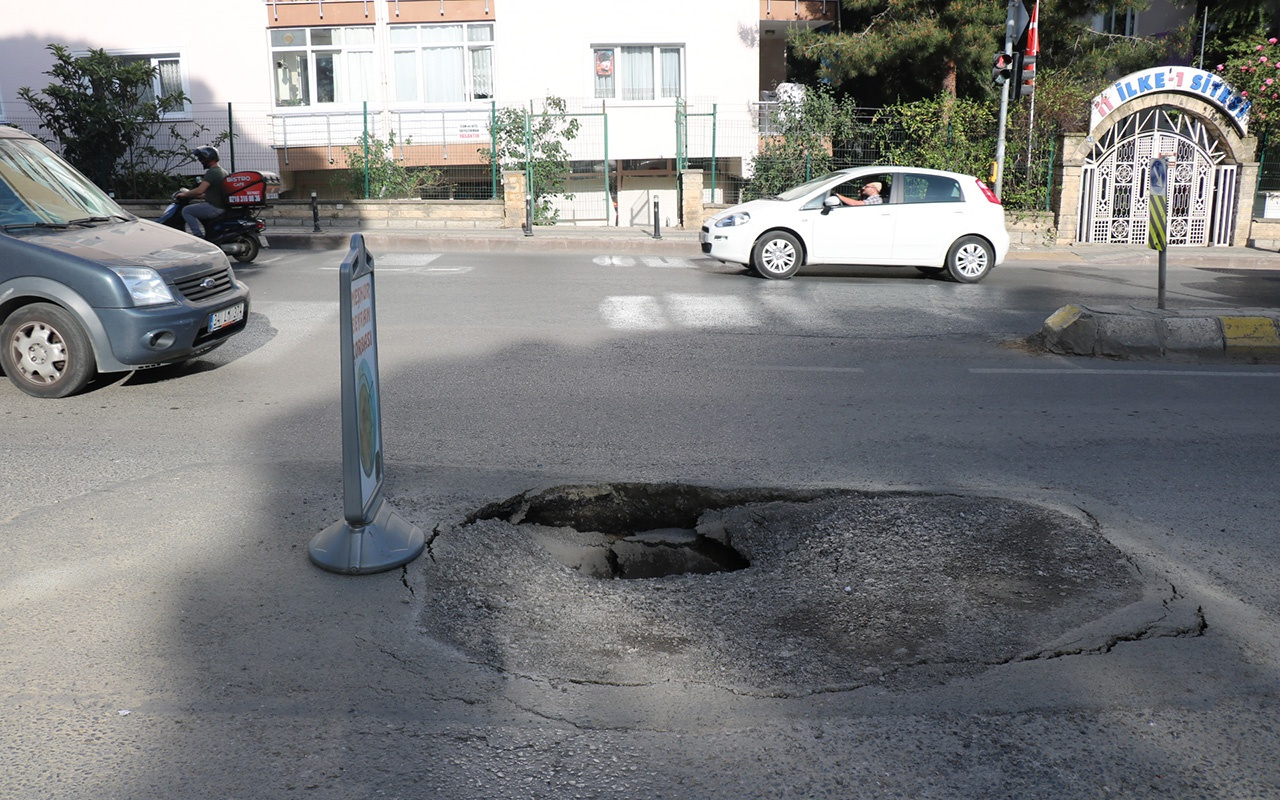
x=206, y=155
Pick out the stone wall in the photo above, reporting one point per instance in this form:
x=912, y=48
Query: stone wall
x=377, y=215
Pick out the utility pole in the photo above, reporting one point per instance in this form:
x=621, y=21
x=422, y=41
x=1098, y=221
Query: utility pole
x=1014, y=7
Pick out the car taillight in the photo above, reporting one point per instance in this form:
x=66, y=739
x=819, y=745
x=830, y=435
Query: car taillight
x=987, y=193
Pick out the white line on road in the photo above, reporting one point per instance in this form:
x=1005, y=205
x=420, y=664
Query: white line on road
x=781, y=368
x=1173, y=373
x=658, y=262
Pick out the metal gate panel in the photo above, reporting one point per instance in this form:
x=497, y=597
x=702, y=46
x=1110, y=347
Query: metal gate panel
x=1224, y=204
x=1113, y=196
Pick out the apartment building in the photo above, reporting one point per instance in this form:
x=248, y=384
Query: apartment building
x=655, y=86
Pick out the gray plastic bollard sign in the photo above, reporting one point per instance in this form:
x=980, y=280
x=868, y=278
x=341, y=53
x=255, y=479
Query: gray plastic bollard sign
x=371, y=537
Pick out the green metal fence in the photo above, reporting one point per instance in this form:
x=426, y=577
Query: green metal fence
x=739, y=151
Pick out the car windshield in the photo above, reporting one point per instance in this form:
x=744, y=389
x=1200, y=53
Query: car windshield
x=807, y=187
x=39, y=188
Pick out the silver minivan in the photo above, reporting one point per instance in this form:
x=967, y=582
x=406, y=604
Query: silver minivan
x=88, y=288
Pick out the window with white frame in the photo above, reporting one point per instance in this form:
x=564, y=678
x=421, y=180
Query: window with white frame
x=167, y=81
x=323, y=66
x=442, y=63
x=638, y=72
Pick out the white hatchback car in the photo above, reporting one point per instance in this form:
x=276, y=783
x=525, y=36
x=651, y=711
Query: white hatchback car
x=886, y=216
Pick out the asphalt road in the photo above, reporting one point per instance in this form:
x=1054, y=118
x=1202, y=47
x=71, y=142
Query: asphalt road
x=165, y=635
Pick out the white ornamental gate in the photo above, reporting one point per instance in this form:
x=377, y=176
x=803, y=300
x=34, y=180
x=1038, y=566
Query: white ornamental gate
x=1202, y=190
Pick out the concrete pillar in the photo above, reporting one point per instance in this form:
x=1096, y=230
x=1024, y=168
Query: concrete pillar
x=513, y=194
x=692, y=213
x=1247, y=175
x=1067, y=172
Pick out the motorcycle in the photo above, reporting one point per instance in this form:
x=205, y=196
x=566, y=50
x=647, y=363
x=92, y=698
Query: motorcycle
x=238, y=232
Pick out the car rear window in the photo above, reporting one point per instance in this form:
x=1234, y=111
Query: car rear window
x=930, y=189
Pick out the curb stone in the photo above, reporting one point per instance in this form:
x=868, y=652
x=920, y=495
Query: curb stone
x=1131, y=332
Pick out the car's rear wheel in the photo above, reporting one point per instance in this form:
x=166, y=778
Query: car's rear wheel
x=969, y=259
x=45, y=351
x=777, y=255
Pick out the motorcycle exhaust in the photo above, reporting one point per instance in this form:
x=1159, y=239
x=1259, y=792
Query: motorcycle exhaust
x=234, y=248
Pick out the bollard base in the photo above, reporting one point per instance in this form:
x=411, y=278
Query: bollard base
x=389, y=541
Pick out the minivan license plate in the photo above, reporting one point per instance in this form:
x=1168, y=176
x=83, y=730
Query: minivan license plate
x=225, y=317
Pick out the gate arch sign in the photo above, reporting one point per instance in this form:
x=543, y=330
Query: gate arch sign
x=1200, y=121
x=1195, y=82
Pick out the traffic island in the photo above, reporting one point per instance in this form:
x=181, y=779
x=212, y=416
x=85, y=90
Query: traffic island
x=829, y=590
x=1249, y=335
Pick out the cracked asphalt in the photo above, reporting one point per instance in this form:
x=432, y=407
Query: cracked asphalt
x=843, y=591
x=973, y=571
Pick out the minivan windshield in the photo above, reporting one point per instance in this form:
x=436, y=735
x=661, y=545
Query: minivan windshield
x=39, y=188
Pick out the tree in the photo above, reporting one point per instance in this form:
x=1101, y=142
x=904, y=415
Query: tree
x=907, y=49
x=536, y=144
x=802, y=144
x=1231, y=23
x=1254, y=71
x=98, y=109
x=1070, y=45
x=889, y=51
x=940, y=133
x=371, y=165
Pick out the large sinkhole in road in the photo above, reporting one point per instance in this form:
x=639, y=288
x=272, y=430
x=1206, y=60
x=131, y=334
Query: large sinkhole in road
x=777, y=591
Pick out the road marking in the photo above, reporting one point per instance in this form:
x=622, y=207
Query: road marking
x=404, y=260
x=1174, y=373
x=781, y=368
x=711, y=311
x=633, y=313
x=645, y=312
x=657, y=262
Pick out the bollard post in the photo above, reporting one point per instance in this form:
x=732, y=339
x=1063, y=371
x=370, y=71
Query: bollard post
x=315, y=214
x=528, y=216
x=657, y=230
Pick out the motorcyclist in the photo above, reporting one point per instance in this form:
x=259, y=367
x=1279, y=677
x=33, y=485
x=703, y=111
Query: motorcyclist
x=210, y=190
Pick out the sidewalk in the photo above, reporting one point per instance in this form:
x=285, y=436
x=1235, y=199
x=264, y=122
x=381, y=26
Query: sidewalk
x=676, y=241
x=557, y=238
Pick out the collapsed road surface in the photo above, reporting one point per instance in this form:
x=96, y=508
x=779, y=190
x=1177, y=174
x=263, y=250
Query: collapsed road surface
x=781, y=593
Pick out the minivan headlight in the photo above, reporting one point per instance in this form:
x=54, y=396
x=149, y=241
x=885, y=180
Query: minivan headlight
x=734, y=219
x=145, y=286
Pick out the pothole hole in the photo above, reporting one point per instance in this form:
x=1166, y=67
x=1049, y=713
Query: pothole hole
x=633, y=530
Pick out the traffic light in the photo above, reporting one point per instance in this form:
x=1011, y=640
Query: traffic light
x=1002, y=68
x=1024, y=70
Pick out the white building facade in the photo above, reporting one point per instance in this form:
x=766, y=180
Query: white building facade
x=655, y=86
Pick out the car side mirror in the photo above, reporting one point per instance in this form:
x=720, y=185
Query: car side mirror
x=831, y=202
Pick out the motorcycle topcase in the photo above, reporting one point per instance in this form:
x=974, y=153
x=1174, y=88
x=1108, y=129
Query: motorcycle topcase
x=251, y=188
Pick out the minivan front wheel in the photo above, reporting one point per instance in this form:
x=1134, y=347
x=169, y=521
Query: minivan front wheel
x=776, y=255
x=45, y=351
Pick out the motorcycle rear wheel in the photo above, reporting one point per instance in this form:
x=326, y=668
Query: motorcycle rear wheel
x=251, y=249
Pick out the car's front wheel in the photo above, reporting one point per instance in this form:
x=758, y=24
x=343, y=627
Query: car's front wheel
x=45, y=351
x=969, y=259
x=777, y=255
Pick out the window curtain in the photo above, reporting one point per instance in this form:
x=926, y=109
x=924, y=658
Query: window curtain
x=482, y=73
x=356, y=81
x=637, y=73
x=444, y=71
x=670, y=72
x=405, y=67
x=170, y=76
